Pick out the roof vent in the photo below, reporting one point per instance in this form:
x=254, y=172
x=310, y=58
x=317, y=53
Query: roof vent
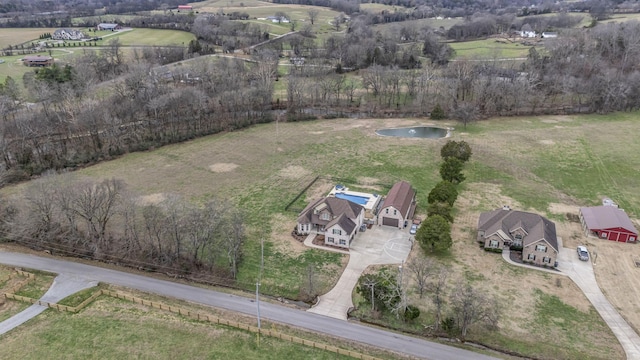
x=506, y=207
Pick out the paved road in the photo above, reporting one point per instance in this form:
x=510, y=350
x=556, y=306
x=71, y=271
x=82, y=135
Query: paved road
x=379, y=245
x=63, y=286
x=317, y=323
x=581, y=272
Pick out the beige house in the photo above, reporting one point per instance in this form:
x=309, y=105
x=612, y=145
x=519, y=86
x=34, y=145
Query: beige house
x=399, y=206
x=337, y=219
x=534, y=233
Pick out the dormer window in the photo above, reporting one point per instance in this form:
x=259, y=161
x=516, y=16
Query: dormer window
x=325, y=216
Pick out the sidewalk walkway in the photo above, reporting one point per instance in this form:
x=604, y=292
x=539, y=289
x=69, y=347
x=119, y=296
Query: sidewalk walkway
x=63, y=286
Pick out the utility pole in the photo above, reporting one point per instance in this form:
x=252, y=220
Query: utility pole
x=258, y=287
x=371, y=284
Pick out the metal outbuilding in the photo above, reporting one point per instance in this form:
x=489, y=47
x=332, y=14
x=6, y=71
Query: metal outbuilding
x=608, y=222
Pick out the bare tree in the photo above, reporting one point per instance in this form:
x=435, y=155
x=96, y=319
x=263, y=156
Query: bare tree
x=422, y=268
x=313, y=15
x=234, y=238
x=471, y=306
x=438, y=290
x=96, y=204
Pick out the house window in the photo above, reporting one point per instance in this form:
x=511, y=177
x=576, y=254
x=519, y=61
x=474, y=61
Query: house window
x=531, y=257
x=546, y=260
x=325, y=216
x=541, y=248
x=386, y=211
x=337, y=232
x=493, y=243
x=518, y=237
x=603, y=235
x=395, y=212
x=330, y=240
x=343, y=242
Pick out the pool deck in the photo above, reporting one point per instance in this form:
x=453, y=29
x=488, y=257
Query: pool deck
x=372, y=199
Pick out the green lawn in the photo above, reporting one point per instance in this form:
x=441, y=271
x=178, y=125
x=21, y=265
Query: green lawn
x=155, y=37
x=115, y=329
x=489, y=49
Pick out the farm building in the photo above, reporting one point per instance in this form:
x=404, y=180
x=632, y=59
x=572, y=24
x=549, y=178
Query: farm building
x=185, y=7
x=108, y=26
x=37, y=60
x=399, y=205
x=608, y=222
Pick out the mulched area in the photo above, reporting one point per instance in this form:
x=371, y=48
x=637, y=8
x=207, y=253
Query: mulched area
x=319, y=240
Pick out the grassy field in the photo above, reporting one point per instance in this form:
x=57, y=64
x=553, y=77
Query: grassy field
x=489, y=49
x=431, y=23
x=115, y=329
x=17, y=36
x=528, y=162
x=155, y=37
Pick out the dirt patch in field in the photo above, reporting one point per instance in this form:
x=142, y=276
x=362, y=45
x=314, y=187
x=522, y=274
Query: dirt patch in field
x=547, y=142
x=319, y=189
x=222, y=167
x=152, y=199
x=294, y=172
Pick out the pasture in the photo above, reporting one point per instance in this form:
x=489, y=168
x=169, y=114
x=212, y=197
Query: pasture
x=154, y=37
x=528, y=162
x=494, y=48
x=17, y=36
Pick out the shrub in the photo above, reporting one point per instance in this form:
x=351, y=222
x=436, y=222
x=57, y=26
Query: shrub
x=411, y=313
x=515, y=247
x=437, y=113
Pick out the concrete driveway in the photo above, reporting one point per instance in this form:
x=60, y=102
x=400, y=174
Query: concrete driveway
x=377, y=246
x=63, y=286
x=581, y=272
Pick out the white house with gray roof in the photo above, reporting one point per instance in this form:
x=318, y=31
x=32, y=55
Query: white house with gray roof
x=534, y=233
x=337, y=219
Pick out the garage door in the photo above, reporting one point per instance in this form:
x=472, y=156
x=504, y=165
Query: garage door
x=389, y=221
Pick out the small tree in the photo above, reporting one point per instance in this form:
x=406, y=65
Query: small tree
x=437, y=113
x=438, y=290
x=451, y=170
x=465, y=113
x=422, y=269
x=457, y=149
x=434, y=236
x=470, y=306
x=445, y=192
x=313, y=15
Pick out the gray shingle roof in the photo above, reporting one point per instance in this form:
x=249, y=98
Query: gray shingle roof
x=334, y=206
x=344, y=222
x=607, y=217
x=536, y=226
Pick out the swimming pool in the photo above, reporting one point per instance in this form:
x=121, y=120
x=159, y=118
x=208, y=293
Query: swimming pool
x=360, y=200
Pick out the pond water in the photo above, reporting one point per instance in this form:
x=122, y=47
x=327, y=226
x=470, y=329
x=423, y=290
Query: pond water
x=426, y=132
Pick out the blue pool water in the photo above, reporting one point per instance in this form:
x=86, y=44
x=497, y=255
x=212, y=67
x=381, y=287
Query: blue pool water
x=360, y=200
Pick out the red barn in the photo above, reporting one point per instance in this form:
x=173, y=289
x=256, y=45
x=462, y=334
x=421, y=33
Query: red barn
x=608, y=222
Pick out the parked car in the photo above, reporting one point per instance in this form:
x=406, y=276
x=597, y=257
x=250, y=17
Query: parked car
x=363, y=227
x=414, y=229
x=583, y=254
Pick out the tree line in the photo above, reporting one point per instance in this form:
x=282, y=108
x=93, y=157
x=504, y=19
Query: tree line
x=103, y=220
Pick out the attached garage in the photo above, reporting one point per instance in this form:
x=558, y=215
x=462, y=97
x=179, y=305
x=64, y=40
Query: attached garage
x=389, y=221
x=609, y=223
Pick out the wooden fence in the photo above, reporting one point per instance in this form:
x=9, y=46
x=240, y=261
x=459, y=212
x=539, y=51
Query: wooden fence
x=193, y=315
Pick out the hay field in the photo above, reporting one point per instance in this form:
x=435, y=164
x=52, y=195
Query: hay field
x=17, y=36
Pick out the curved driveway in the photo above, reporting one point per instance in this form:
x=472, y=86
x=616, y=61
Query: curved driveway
x=367, y=335
x=581, y=272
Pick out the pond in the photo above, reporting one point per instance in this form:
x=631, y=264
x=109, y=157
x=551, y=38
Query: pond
x=425, y=132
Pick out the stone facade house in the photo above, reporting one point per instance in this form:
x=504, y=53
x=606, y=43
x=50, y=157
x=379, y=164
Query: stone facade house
x=535, y=234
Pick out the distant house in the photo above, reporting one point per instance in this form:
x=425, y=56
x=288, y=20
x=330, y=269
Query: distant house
x=185, y=7
x=527, y=34
x=549, y=35
x=399, y=206
x=37, y=60
x=608, y=222
x=338, y=219
x=534, y=233
x=278, y=19
x=108, y=26
x=67, y=34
